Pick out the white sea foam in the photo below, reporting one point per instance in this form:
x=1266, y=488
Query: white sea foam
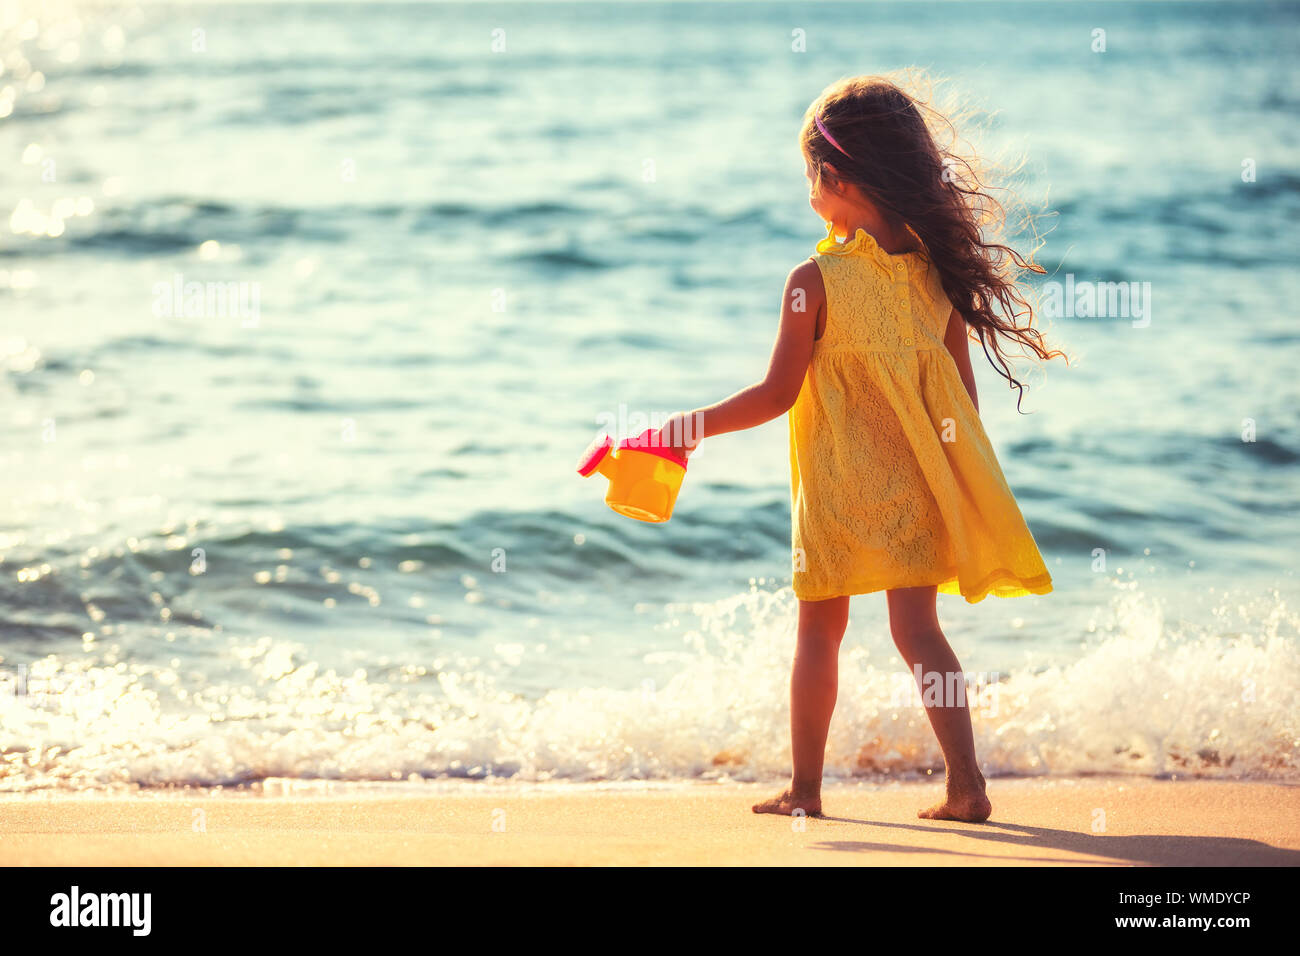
x=1214, y=700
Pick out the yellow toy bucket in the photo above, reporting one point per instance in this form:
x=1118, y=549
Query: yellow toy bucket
x=644, y=477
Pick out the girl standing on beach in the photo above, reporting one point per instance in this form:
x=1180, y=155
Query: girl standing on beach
x=894, y=484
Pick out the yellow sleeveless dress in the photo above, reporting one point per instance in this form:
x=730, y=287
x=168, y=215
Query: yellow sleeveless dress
x=894, y=483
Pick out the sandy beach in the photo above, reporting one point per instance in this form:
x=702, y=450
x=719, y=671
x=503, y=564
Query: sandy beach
x=1036, y=822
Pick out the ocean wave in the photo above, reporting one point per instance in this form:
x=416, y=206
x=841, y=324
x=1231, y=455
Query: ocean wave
x=165, y=224
x=1219, y=699
x=565, y=260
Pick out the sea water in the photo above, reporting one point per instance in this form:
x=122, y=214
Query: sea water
x=307, y=310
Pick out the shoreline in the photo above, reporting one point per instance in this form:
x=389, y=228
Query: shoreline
x=1066, y=821
x=326, y=788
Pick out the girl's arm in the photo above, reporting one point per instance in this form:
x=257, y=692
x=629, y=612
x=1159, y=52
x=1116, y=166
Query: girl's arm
x=957, y=338
x=802, y=302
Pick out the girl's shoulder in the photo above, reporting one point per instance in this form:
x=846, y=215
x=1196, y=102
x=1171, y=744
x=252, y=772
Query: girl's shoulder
x=807, y=283
x=805, y=292
x=808, y=271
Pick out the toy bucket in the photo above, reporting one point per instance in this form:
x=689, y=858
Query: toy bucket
x=643, y=478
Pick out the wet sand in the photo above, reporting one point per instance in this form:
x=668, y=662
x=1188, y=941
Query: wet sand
x=1072, y=822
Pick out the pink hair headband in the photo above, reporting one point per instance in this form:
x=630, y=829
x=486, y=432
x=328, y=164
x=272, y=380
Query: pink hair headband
x=829, y=138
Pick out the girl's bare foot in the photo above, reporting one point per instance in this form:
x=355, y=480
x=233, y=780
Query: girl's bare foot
x=967, y=803
x=787, y=801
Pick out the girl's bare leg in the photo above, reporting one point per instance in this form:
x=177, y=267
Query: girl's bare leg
x=814, y=682
x=914, y=624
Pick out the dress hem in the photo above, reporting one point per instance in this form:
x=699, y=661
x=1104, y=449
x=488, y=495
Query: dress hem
x=1011, y=585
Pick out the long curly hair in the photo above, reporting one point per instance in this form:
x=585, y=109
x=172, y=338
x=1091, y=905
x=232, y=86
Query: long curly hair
x=906, y=157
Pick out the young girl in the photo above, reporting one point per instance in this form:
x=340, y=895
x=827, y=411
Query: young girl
x=894, y=484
